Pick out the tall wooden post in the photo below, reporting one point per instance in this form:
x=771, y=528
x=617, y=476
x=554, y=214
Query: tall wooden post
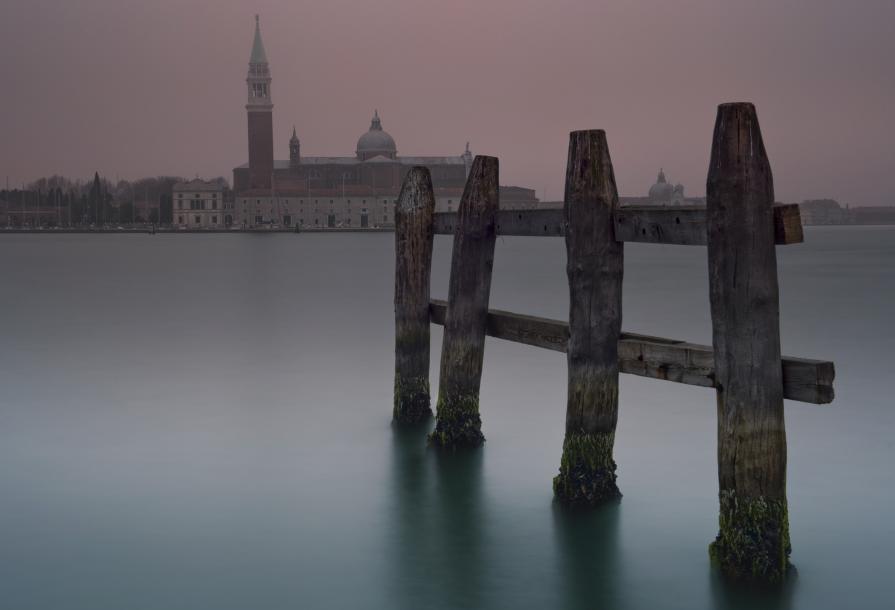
x=413, y=263
x=595, y=269
x=458, y=423
x=753, y=541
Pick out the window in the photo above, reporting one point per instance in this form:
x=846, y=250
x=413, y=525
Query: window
x=258, y=220
x=180, y=195
x=214, y=195
x=180, y=220
x=385, y=218
x=214, y=220
x=214, y=204
x=198, y=219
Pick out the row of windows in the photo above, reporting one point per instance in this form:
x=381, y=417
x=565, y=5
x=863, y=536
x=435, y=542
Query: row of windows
x=198, y=220
x=198, y=204
x=316, y=201
x=197, y=195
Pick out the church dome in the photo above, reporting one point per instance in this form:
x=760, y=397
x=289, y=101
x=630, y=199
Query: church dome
x=661, y=190
x=376, y=142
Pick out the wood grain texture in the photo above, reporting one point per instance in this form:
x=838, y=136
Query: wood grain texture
x=413, y=263
x=686, y=226
x=754, y=535
x=804, y=380
x=457, y=414
x=595, y=267
x=646, y=224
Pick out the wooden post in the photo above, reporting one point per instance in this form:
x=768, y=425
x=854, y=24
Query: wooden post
x=413, y=261
x=753, y=541
x=595, y=268
x=458, y=423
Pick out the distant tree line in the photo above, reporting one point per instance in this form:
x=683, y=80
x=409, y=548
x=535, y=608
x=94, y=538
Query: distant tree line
x=61, y=201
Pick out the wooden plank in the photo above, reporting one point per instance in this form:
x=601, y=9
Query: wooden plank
x=458, y=422
x=544, y=223
x=687, y=225
x=645, y=224
x=753, y=541
x=804, y=380
x=413, y=263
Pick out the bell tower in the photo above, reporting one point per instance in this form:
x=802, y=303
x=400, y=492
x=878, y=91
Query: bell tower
x=259, y=109
x=294, y=149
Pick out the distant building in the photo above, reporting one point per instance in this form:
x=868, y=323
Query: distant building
x=822, y=212
x=198, y=204
x=318, y=192
x=872, y=215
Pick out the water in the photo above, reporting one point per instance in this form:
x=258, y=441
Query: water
x=192, y=422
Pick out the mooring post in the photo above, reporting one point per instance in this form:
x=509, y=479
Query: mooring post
x=595, y=269
x=458, y=423
x=753, y=541
x=413, y=262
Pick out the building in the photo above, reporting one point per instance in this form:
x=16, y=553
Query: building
x=198, y=204
x=663, y=193
x=330, y=192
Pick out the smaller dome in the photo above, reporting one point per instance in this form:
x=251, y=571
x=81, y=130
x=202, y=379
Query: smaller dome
x=376, y=142
x=661, y=190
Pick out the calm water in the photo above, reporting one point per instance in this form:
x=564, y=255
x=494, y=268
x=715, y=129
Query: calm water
x=203, y=422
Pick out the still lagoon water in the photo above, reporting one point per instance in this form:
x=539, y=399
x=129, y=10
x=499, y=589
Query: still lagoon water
x=203, y=422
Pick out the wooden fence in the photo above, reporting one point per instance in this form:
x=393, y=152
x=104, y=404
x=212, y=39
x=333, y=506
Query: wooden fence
x=740, y=225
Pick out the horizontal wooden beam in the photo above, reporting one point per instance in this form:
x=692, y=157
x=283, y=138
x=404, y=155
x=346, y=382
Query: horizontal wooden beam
x=656, y=225
x=654, y=357
x=546, y=223
x=687, y=225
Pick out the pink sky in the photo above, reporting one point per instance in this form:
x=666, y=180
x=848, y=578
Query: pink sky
x=157, y=87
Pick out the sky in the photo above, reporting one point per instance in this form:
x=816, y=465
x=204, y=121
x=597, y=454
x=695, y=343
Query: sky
x=152, y=87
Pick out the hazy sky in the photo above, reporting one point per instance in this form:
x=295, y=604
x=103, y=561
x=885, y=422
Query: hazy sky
x=148, y=87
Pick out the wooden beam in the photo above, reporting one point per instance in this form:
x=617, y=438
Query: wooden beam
x=645, y=224
x=804, y=380
x=753, y=541
x=413, y=263
x=687, y=225
x=457, y=419
x=532, y=223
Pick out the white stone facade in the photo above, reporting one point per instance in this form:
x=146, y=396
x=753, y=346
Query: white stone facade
x=198, y=204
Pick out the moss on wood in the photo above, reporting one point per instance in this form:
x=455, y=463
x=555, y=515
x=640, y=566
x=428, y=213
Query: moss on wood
x=458, y=423
x=753, y=538
x=587, y=471
x=412, y=402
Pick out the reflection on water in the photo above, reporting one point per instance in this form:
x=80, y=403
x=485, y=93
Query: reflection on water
x=738, y=596
x=439, y=522
x=588, y=552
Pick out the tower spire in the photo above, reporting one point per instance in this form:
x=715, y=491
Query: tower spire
x=259, y=56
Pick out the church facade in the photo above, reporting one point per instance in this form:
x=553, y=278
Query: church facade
x=358, y=191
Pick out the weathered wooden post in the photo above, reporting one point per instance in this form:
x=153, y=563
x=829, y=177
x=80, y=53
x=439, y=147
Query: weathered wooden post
x=413, y=263
x=595, y=268
x=458, y=423
x=753, y=541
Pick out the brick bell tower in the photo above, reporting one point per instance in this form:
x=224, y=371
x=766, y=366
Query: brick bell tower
x=259, y=108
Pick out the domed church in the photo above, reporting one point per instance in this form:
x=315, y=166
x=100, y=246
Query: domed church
x=662, y=193
x=358, y=191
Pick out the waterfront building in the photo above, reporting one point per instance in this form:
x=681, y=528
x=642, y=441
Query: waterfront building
x=200, y=204
x=330, y=192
